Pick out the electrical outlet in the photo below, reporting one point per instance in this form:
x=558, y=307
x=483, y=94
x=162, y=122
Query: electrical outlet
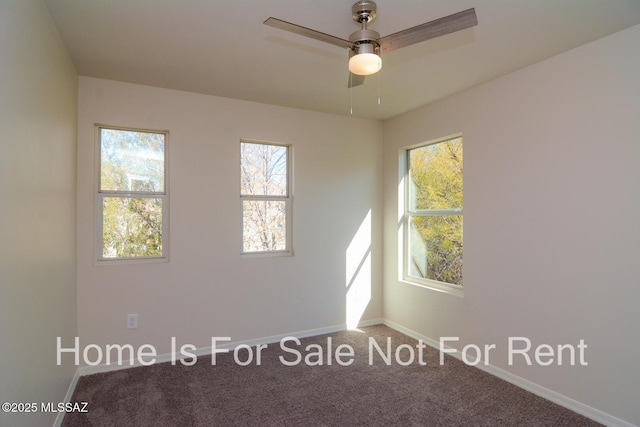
x=132, y=321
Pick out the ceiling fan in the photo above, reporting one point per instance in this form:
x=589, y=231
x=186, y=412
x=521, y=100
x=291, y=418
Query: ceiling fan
x=365, y=45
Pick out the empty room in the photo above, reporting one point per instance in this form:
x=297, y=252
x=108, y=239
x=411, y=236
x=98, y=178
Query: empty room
x=331, y=212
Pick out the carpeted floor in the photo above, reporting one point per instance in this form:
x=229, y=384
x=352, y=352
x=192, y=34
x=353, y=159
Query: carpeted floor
x=274, y=394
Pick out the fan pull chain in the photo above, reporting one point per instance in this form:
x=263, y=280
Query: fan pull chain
x=351, y=94
x=379, y=72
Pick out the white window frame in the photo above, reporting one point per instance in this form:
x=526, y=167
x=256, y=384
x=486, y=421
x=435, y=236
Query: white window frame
x=404, y=165
x=287, y=199
x=101, y=194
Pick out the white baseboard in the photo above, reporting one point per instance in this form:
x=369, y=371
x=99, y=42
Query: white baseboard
x=206, y=351
x=560, y=399
x=371, y=322
x=67, y=397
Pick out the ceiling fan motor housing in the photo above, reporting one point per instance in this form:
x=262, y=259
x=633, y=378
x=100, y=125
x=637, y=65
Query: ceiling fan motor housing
x=364, y=36
x=366, y=41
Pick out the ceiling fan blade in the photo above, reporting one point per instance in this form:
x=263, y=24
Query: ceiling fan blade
x=355, y=80
x=308, y=32
x=439, y=27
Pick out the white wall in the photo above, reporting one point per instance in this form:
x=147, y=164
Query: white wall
x=207, y=289
x=38, y=106
x=552, y=240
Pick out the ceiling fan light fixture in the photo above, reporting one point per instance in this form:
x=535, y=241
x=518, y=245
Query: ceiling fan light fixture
x=365, y=64
x=365, y=61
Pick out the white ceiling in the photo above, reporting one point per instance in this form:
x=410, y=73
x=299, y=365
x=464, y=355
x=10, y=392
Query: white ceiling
x=221, y=47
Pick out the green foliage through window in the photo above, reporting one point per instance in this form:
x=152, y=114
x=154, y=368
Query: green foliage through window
x=132, y=193
x=434, y=212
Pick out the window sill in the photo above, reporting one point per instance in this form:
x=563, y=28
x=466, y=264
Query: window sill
x=128, y=261
x=434, y=285
x=266, y=254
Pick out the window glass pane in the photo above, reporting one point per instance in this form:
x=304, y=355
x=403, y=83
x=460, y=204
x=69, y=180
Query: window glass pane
x=131, y=227
x=264, y=225
x=435, y=173
x=131, y=161
x=263, y=170
x=435, y=248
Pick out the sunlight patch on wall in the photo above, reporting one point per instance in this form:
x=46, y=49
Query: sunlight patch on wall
x=358, y=269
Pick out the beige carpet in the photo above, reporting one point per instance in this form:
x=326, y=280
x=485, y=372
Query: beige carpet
x=274, y=394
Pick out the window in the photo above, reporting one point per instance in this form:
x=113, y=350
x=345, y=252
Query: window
x=433, y=214
x=132, y=194
x=265, y=196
